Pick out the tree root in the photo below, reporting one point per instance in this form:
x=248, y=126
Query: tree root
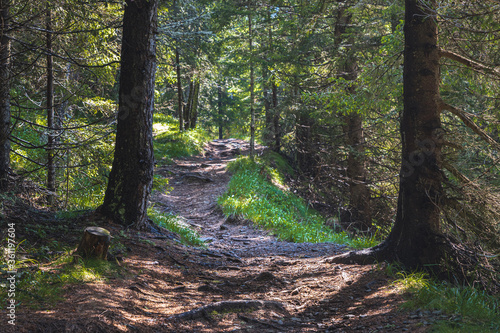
x=228, y=306
x=362, y=257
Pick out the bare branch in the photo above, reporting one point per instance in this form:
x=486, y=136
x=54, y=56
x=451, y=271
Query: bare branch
x=464, y=116
x=469, y=62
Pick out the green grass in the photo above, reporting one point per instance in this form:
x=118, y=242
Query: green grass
x=173, y=223
x=257, y=192
x=466, y=309
x=170, y=143
x=38, y=288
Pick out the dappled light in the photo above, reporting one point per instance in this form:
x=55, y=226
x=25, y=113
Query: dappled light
x=249, y=166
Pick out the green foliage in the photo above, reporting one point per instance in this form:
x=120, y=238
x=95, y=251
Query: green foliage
x=38, y=288
x=175, y=224
x=473, y=310
x=253, y=192
x=169, y=143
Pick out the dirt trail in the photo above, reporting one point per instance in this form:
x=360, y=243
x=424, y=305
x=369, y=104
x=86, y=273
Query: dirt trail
x=198, y=182
x=243, y=281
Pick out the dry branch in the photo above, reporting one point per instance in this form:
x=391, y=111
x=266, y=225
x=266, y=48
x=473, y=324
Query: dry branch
x=469, y=62
x=469, y=123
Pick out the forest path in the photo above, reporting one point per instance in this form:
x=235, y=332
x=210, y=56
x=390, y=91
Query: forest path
x=198, y=181
x=251, y=264
x=244, y=280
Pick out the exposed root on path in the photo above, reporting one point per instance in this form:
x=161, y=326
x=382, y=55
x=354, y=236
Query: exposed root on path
x=204, y=312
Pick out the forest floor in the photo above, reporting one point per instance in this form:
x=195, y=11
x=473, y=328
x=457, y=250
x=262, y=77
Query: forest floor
x=245, y=280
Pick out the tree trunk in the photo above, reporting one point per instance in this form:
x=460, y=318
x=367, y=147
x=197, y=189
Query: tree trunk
x=268, y=134
x=359, y=193
x=252, y=93
x=131, y=177
x=4, y=94
x=194, y=106
x=189, y=105
x=51, y=168
x=95, y=243
x=219, y=106
x=276, y=118
x=180, y=98
x=415, y=239
x=303, y=137
x=359, y=210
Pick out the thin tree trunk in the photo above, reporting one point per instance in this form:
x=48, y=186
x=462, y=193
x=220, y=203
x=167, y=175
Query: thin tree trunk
x=194, y=106
x=266, y=95
x=189, y=105
x=4, y=94
x=131, y=177
x=359, y=193
x=276, y=118
x=51, y=169
x=219, y=106
x=252, y=93
x=180, y=99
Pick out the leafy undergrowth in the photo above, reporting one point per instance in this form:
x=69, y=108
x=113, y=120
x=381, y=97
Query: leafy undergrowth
x=40, y=285
x=257, y=192
x=471, y=309
x=173, y=223
x=170, y=143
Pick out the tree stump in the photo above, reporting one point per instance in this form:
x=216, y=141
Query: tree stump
x=94, y=243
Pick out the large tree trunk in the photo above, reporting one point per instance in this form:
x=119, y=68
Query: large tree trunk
x=4, y=94
x=415, y=238
x=131, y=177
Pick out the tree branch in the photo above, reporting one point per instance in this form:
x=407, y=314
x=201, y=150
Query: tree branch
x=469, y=62
x=464, y=116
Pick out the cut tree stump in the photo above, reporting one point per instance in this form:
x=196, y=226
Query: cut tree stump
x=94, y=243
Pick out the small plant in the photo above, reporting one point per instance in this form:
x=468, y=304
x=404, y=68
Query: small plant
x=473, y=310
x=41, y=287
x=173, y=223
x=161, y=184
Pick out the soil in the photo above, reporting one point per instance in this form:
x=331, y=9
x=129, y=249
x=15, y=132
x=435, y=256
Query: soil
x=245, y=280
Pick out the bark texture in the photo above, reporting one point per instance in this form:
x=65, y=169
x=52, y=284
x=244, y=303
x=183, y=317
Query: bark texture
x=358, y=215
x=416, y=240
x=131, y=177
x=95, y=243
x=5, y=123
x=414, y=235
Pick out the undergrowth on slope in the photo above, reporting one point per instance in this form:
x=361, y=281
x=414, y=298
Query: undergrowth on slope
x=459, y=308
x=170, y=143
x=257, y=192
x=37, y=286
x=173, y=223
